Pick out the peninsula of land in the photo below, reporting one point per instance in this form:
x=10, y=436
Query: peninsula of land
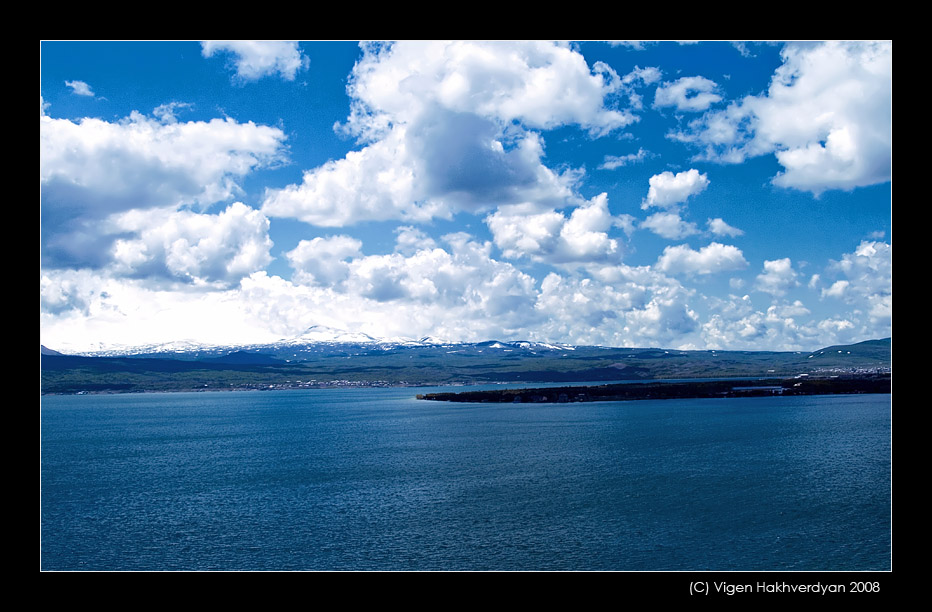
x=801, y=385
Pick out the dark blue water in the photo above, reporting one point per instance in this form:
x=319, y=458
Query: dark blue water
x=372, y=479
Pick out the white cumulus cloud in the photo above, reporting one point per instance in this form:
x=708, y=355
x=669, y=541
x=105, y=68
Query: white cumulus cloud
x=710, y=259
x=141, y=162
x=669, y=225
x=539, y=84
x=826, y=117
x=255, y=59
x=552, y=237
x=80, y=88
x=690, y=94
x=667, y=190
x=192, y=247
x=867, y=281
x=777, y=278
x=451, y=126
x=719, y=228
x=410, y=239
x=627, y=307
x=91, y=169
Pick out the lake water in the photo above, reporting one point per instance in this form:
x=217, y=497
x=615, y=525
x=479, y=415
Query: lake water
x=372, y=479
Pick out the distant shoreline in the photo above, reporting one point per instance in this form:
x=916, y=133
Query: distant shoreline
x=581, y=392
x=768, y=387
x=350, y=366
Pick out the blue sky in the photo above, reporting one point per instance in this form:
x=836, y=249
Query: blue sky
x=686, y=195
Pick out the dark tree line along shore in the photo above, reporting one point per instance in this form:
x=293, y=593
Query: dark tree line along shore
x=674, y=390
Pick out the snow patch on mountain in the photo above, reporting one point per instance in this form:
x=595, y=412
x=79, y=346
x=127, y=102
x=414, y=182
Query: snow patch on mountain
x=313, y=339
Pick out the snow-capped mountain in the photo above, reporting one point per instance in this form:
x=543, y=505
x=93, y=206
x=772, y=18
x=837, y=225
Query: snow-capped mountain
x=173, y=348
x=314, y=340
x=322, y=333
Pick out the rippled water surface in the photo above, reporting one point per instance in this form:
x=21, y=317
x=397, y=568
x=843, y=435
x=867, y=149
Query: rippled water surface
x=372, y=479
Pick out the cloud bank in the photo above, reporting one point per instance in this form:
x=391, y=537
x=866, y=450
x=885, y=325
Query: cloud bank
x=147, y=224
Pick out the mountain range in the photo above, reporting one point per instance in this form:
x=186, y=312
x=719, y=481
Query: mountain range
x=324, y=357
